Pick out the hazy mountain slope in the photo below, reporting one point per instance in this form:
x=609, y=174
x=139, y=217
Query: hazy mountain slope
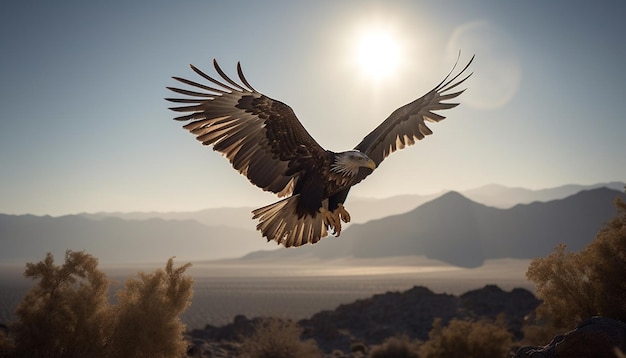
x=366, y=209
x=28, y=237
x=444, y=229
x=457, y=230
x=533, y=229
x=451, y=228
x=361, y=210
x=233, y=217
x=505, y=197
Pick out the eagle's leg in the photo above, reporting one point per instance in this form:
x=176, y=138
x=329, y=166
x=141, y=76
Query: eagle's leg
x=331, y=219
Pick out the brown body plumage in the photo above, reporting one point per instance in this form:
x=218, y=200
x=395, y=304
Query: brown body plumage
x=264, y=140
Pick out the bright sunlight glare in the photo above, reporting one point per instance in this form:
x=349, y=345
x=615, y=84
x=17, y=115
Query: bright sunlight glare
x=378, y=54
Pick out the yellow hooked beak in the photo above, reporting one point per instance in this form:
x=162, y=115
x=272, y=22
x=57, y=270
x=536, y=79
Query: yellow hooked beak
x=371, y=164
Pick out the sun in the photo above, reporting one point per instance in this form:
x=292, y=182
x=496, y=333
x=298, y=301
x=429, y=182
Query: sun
x=378, y=54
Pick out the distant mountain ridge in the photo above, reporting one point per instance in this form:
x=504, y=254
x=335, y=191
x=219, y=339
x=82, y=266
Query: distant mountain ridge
x=462, y=232
x=113, y=240
x=366, y=209
x=505, y=197
x=450, y=228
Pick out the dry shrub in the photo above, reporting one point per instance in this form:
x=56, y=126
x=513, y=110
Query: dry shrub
x=539, y=334
x=399, y=347
x=7, y=346
x=466, y=339
x=578, y=286
x=67, y=314
x=277, y=338
x=358, y=347
x=147, y=323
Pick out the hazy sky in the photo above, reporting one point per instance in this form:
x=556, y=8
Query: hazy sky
x=84, y=127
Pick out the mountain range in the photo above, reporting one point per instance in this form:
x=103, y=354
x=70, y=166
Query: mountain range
x=464, y=233
x=366, y=209
x=114, y=240
x=450, y=227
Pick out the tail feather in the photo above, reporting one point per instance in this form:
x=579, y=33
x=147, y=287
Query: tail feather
x=280, y=222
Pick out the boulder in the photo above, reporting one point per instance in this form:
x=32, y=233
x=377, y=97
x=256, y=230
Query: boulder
x=595, y=337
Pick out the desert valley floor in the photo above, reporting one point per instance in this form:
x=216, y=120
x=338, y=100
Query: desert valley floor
x=296, y=289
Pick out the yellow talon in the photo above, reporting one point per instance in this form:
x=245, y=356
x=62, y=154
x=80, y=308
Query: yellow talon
x=331, y=219
x=337, y=228
x=327, y=217
x=342, y=213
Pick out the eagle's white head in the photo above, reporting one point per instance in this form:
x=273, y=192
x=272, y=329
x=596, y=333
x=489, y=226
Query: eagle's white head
x=348, y=163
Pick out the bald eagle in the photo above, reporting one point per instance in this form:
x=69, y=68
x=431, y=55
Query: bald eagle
x=264, y=140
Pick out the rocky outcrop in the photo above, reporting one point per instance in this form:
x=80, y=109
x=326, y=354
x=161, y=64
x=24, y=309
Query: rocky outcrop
x=411, y=312
x=596, y=337
x=240, y=327
x=491, y=301
x=374, y=319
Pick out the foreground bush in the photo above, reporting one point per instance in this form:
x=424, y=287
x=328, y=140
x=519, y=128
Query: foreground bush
x=7, y=346
x=466, y=339
x=539, y=334
x=277, y=338
x=67, y=314
x=397, y=347
x=578, y=286
x=147, y=320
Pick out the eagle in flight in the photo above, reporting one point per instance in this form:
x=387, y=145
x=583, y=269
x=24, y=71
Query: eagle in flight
x=264, y=140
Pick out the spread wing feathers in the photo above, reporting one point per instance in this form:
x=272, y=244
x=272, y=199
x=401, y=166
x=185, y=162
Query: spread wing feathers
x=262, y=138
x=408, y=123
x=280, y=222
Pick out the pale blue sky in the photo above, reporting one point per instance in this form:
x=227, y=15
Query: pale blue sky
x=84, y=127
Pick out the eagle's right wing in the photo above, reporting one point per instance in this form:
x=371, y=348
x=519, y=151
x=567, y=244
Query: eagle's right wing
x=262, y=138
x=408, y=123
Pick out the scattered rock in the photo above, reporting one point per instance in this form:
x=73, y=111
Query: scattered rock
x=595, y=337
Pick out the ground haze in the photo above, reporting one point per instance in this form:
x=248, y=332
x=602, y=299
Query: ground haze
x=297, y=288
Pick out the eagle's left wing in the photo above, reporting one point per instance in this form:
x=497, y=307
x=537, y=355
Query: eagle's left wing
x=261, y=137
x=407, y=123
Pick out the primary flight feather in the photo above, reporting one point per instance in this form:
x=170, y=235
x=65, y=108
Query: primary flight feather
x=264, y=140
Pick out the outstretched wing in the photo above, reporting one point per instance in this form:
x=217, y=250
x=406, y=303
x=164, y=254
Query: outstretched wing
x=408, y=123
x=262, y=138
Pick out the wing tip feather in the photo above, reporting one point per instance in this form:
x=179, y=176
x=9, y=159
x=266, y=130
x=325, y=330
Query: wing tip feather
x=386, y=138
